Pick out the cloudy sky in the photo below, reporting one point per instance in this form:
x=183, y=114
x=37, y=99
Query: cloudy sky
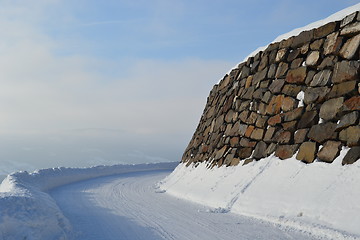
x=90, y=82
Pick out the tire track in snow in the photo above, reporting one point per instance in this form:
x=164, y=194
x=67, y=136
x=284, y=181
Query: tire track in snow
x=127, y=206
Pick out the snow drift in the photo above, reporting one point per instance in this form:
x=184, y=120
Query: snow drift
x=319, y=198
x=28, y=212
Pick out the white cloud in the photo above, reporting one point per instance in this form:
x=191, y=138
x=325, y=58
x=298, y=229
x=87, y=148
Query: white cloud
x=45, y=96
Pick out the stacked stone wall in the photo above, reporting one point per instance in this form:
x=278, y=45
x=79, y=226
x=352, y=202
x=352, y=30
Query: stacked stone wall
x=299, y=97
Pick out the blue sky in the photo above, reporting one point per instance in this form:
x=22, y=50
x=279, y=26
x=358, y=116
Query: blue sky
x=101, y=82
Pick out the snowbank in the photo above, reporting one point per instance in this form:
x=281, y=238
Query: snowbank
x=319, y=198
x=28, y=212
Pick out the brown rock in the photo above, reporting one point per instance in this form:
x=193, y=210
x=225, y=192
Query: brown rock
x=259, y=76
x=257, y=134
x=286, y=151
x=301, y=135
x=289, y=126
x=297, y=75
x=302, y=38
x=235, y=162
x=329, y=61
x=329, y=152
x=325, y=30
x=267, y=96
x=263, y=62
x=345, y=71
x=282, y=136
x=332, y=43
x=244, y=152
x=276, y=85
x=351, y=29
x=309, y=77
x=229, y=116
x=249, y=131
x=224, y=82
x=352, y=156
x=259, y=93
x=269, y=134
x=316, y=94
x=265, y=84
x=321, y=79
x=261, y=121
x=331, y=108
x=220, y=153
x=322, y=132
x=245, y=72
x=293, y=115
x=292, y=89
x=270, y=149
x=350, y=47
x=275, y=105
x=316, y=45
x=286, y=43
x=352, y=103
x=307, y=152
x=304, y=49
x=262, y=108
x=296, y=63
x=281, y=54
x=342, y=89
x=348, y=120
x=313, y=58
x=243, y=116
x=272, y=71
x=252, y=118
x=272, y=46
x=272, y=121
x=245, y=142
x=243, y=105
x=293, y=54
x=234, y=141
x=229, y=157
x=348, y=19
x=248, y=93
x=288, y=104
x=308, y=119
x=260, y=150
x=247, y=161
x=281, y=70
x=248, y=81
x=351, y=136
x=219, y=121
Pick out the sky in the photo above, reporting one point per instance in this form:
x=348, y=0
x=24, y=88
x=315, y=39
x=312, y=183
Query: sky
x=84, y=83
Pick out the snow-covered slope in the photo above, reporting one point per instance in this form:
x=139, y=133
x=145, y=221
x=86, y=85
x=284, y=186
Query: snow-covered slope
x=28, y=212
x=319, y=198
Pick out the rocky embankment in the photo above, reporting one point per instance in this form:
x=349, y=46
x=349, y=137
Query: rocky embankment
x=298, y=97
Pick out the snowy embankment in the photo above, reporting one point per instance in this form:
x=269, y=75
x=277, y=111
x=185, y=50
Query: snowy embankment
x=319, y=198
x=28, y=212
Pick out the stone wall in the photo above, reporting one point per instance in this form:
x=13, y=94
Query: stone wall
x=298, y=97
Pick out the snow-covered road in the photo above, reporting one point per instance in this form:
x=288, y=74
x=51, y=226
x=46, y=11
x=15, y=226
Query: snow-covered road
x=128, y=206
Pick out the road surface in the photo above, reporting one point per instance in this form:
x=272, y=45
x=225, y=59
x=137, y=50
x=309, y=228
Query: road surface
x=128, y=206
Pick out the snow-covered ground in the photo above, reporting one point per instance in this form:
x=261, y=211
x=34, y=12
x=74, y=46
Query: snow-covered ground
x=129, y=206
x=118, y=202
x=27, y=211
x=319, y=198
